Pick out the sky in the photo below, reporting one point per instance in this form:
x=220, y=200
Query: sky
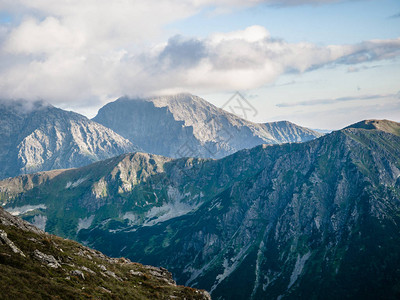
x=319, y=63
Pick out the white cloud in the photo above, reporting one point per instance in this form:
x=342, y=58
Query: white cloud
x=99, y=49
x=46, y=37
x=251, y=34
x=244, y=60
x=328, y=101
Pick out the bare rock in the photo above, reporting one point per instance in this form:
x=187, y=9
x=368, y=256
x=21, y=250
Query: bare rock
x=136, y=273
x=78, y=274
x=112, y=274
x=45, y=259
x=10, y=220
x=161, y=274
x=88, y=270
x=102, y=268
x=5, y=240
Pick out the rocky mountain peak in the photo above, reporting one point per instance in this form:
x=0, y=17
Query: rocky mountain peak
x=35, y=136
x=186, y=125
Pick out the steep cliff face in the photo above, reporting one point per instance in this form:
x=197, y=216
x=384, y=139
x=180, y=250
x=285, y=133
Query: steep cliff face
x=188, y=126
x=276, y=221
x=36, y=137
x=37, y=265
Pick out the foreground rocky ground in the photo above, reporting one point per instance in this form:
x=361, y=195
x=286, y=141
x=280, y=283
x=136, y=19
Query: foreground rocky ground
x=36, y=265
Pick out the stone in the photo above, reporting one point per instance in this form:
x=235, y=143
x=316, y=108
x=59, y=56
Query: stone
x=78, y=273
x=5, y=240
x=46, y=259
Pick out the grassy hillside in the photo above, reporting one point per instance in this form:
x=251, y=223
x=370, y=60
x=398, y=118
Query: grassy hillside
x=36, y=265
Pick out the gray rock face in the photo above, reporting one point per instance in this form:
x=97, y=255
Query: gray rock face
x=43, y=137
x=188, y=126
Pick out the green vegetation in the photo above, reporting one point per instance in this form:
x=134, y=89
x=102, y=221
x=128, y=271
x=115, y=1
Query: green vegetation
x=102, y=277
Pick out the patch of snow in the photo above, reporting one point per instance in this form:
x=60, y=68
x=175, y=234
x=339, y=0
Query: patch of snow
x=257, y=271
x=40, y=221
x=228, y=269
x=317, y=221
x=19, y=210
x=174, y=208
x=174, y=194
x=131, y=217
x=194, y=273
x=167, y=212
x=85, y=223
x=104, y=222
x=230, y=266
x=216, y=204
x=75, y=183
x=264, y=287
x=298, y=268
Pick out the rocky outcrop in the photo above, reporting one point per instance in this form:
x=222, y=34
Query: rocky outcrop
x=6, y=241
x=45, y=259
x=185, y=125
x=8, y=220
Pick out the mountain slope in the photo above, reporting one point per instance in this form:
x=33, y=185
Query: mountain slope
x=277, y=221
x=34, y=264
x=36, y=137
x=383, y=125
x=185, y=125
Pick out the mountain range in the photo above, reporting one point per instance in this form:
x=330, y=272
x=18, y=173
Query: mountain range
x=36, y=137
x=318, y=219
x=40, y=137
x=185, y=125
